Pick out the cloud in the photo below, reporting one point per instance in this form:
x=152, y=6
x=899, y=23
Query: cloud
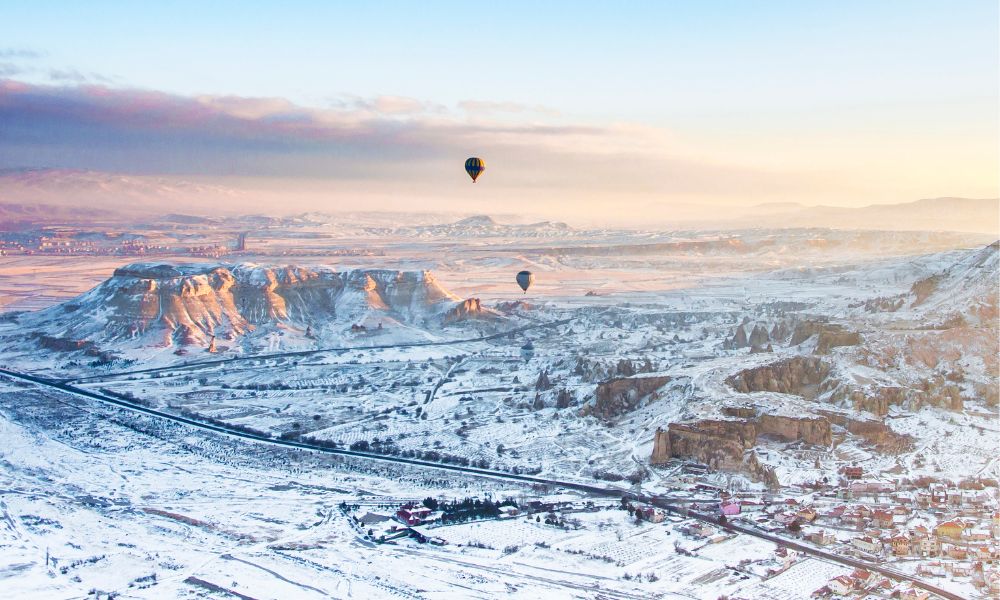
x=486, y=107
x=387, y=105
x=23, y=53
x=93, y=117
x=67, y=75
x=7, y=69
x=390, y=147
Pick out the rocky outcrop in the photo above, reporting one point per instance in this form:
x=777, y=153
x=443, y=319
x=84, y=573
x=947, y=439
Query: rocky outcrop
x=470, y=308
x=800, y=375
x=762, y=472
x=780, y=331
x=722, y=443
x=829, y=335
x=759, y=336
x=935, y=391
x=921, y=290
x=543, y=383
x=883, y=304
x=717, y=443
x=833, y=338
x=811, y=430
x=876, y=433
x=743, y=412
x=739, y=339
x=877, y=400
x=938, y=392
x=620, y=395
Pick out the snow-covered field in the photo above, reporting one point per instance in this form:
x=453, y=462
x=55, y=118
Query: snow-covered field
x=900, y=367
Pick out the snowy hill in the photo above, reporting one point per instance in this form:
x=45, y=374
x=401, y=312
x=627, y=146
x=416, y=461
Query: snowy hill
x=160, y=304
x=969, y=285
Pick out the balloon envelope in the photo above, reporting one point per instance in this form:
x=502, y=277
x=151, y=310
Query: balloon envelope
x=524, y=279
x=474, y=167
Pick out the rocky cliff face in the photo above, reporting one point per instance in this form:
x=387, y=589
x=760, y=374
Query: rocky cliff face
x=757, y=338
x=722, y=443
x=799, y=375
x=717, y=443
x=876, y=433
x=617, y=396
x=877, y=399
x=829, y=335
x=470, y=308
x=182, y=304
x=809, y=377
x=811, y=430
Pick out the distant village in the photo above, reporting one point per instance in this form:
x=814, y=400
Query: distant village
x=55, y=240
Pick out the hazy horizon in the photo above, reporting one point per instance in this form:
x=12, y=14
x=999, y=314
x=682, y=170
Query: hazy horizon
x=647, y=116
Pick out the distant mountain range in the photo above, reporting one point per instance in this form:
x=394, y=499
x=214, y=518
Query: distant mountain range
x=481, y=226
x=974, y=215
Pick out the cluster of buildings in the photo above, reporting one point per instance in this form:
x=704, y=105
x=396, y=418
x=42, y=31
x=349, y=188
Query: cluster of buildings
x=45, y=245
x=862, y=583
x=947, y=530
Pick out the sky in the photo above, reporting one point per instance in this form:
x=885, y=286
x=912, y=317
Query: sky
x=575, y=106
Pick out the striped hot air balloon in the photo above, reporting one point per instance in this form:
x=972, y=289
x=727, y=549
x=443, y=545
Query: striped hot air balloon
x=474, y=167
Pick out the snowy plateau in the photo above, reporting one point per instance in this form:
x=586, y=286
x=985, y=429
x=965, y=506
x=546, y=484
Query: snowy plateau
x=340, y=407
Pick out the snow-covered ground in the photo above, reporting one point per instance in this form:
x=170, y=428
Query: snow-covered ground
x=115, y=499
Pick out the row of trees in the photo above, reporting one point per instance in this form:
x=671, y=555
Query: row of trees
x=468, y=509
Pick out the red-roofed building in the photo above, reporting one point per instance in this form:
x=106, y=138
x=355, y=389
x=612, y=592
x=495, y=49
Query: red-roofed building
x=413, y=515
x=883, y=519
x=853, y=472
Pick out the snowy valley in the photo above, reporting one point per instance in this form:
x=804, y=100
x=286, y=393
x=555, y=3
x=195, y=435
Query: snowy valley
x=743, y=414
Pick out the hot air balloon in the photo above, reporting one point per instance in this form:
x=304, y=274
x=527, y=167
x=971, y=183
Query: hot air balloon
x=524, y=279
x=474, y=167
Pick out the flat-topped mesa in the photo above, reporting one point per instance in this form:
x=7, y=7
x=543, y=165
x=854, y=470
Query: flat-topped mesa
x=167, y=304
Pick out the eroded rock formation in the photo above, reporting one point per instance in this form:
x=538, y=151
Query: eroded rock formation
x=872, y=431
x=722, y=443
x=617, y=396
x=799, y=375
x=829, y=335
